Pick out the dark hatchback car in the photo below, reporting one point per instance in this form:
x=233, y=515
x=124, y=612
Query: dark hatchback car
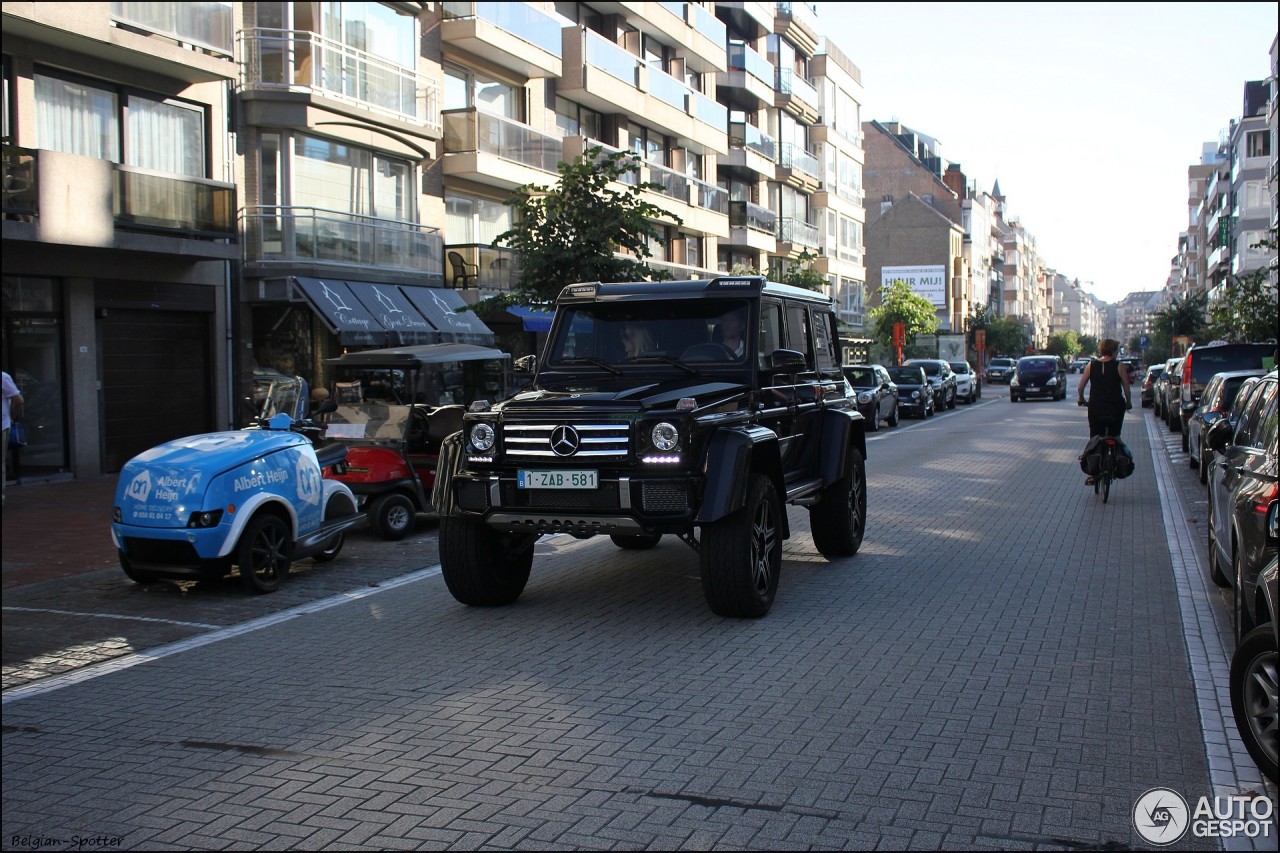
x=915, y=395
x=1243, y=483
x=1253, y=671
x=1001, y=370
x=941, y=377
x=1215, y=402
x=1147, y=393
x=1039, y=376
x=876, y=393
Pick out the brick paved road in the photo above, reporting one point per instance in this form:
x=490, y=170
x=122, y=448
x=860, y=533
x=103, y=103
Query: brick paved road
x=1003, y=666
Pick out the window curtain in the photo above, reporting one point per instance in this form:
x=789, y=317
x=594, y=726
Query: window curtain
x=164, y=137
x=76, y=118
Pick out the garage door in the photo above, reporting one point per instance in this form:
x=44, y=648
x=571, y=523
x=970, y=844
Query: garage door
x=156, y=380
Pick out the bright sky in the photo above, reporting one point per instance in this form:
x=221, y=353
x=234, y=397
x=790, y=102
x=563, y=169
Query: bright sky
x=1087, y=113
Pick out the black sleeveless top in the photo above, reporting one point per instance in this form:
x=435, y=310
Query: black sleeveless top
x=1106, y=396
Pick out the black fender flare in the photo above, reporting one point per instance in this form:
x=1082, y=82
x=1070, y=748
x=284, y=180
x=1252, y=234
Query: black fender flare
x=448, y=464
x=841, y=429
x=732, y=453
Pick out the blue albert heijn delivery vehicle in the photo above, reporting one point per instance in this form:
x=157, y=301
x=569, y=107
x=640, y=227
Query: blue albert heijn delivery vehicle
x=255, y=499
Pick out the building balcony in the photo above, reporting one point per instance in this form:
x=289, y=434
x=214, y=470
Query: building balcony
x=515, y=36
x=798, y=23
x=308, y=237
x=752, y=149
x=56, y=198
x=795, y=235
x=296, y=61
x=749, y=79
x=752, y=226
x=683, y=272
x=796, y=95
x=207, y=26
x=752, y=18
x=481, y=266
x=497, y=151
x=799, y=167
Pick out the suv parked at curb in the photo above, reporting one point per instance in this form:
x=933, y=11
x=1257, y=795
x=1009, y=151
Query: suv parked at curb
x=941, y=378
x=1201, y=363
x=695, y=408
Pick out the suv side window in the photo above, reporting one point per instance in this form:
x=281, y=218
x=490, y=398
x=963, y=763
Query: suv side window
x=1265, y=431
x=798, y=332
x=824, y=338
x=770, y=332
x=1250, y=415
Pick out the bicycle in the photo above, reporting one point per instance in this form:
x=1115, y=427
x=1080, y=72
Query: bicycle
x=1107, y=449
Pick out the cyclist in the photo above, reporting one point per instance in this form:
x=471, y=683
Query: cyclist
x=1109, y=399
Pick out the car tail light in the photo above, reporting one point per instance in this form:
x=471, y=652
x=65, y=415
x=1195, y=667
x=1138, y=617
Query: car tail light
x=1186, y=371
x=1263, y=503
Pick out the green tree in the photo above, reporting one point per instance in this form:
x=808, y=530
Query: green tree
x=797, y=273
x=1245, y=310
x=980, y=319
x=1089, y=344
x=1065, y=344
x=899, y=305
x=1185, y=316
x=572, y=231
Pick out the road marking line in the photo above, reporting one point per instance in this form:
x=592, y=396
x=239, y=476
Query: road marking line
x=112, y=616
x=38, y=688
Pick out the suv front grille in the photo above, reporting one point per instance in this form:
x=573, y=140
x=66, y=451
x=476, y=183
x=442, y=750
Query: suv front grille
x=587, y=441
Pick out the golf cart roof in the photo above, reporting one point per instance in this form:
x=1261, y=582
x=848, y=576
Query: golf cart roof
x=417, y=356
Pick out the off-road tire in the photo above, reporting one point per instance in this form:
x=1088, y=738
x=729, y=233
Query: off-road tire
x=392, y=515
x=481, y=567
x=637, y=542
x=839, y=518
x=742, y=554
x=264, y=553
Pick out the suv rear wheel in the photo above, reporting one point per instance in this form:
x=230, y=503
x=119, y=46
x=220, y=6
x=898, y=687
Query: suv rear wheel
x=840, y=515
x=481, y=567
x=742, y=555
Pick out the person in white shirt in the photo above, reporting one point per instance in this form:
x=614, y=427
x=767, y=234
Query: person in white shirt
x=733, y=329
x=12, y=411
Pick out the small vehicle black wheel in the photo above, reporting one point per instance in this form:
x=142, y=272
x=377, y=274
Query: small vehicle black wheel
x=134, y=574
x=742, y=554
x=839, y=518
x=392, y=515
x=873, y=423
x=1186, y=443
x=951, y=400
x=483, y=568
x=1253, y=696
x=893, y=416
x=1204, y=467
x=638, y=542
x=263, y=553
x=338, y=506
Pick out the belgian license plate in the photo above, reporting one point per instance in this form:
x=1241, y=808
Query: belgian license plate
x=1033, y=388
x=557, y=479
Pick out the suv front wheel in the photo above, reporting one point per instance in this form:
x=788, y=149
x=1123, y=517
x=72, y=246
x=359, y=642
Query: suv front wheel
x=481, y=567
x=840, y=515
x=742, y=554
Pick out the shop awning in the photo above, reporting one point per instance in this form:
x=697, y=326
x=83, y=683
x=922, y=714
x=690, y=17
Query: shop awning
x=344, y=314
x=534, y=320
x=395, y=312
x=440, y=306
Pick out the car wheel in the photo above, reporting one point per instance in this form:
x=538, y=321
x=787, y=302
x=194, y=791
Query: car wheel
x=873, y=423
x=951, y=400
x=1204, y=467
x=1192, y=459
x=839, y=517
x=1253, y=696
x=1186, y=445
x=930, y=409
x=742, y=555
x=392, y=515
x=136, y=575
x=263, y=554
x=893, y=415
x=1244, y=617
x=1215, y=570
x=1172, y=420
x=483, y=568
x=638, y=542
x=337, y=507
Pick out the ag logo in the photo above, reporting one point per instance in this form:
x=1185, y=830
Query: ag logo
x=309, y=486
x=1160, y=816
x=140, y=487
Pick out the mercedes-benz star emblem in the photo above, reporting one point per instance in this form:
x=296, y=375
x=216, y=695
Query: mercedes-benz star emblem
x=564, y=441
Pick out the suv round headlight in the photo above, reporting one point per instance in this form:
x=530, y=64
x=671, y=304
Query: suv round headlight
x=665, y=436
x=482, y=436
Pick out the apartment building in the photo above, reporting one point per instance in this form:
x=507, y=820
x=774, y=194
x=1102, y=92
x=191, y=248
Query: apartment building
x=1252, y=193
x=119, y=226
x=984, y=248
x=1022, y=291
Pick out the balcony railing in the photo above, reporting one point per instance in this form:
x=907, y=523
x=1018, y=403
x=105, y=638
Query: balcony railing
x=710, y=196
x=483, y=266
x=742, y=57
x=207, y=25
x=472, y=130
x=706, y=23
x=682, y=272
x=21, y=190
x=798, y=160
x=800, y=12
x=792, y=84
x=743, y=135
x=673, y=183
x=744, y=214
x=708, y=111
x=799, y=232
x=611, y=59
x=298, y=60
x=519, y=19
x=667, y=89
x=153, y=201
x=305, y=235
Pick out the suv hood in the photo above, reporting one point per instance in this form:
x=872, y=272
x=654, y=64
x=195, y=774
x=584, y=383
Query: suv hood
x=619, y=393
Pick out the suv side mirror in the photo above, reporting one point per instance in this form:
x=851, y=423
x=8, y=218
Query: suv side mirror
x=1219, y=435
x=787, y=359
x=526, y=364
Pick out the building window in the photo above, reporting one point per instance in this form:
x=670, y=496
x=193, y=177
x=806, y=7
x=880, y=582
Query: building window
x=576, y=120
x=77, y=118
x=339, y=177
x=1257, y=143
x=474, y=220
x=465, y=88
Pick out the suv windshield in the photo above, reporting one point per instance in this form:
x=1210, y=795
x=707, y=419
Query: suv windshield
x=905, y=375
x=613, y=334
x=961, y=367
x=931, y=368
x=1001, y=362
x=861, y=377
x=1037, y=364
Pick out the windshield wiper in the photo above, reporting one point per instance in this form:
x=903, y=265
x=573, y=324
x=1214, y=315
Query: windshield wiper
x=573, y=359
x=669, y=360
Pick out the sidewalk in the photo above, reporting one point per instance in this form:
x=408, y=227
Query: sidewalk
x=57, y=529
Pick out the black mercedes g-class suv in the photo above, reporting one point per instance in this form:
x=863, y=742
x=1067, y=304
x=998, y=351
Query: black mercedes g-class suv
x=695, y=408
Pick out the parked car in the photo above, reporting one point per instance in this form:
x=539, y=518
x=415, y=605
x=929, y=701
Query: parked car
x=1215, y=402
x=941, y=377
x=1132, y=365
x=876, y=392
x=1243, y=483
x=968, y=382
x=1001, y=370
x=1078, y=365
x=1253, y=671
x=1039, y=376
x=1167, y=388
x=1199, y=365
x=1147, y=392
x=915, y=394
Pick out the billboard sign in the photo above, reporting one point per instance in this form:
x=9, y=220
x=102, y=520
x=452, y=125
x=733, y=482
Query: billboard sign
x=929, y=282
